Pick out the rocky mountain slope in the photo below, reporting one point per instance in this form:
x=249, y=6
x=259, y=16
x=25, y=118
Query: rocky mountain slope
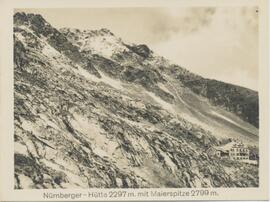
x=91, y=110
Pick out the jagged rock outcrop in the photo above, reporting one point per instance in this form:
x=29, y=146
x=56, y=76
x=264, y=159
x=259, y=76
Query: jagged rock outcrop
x=87, y=116
x=141, y=50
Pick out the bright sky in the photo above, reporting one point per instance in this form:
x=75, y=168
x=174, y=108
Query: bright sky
x=219, y=43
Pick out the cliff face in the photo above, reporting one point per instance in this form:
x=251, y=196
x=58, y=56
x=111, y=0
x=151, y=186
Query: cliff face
x=93, y=111
x=241, y=101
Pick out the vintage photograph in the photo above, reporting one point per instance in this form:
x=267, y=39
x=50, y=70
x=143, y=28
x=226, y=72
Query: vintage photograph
x=136, y=97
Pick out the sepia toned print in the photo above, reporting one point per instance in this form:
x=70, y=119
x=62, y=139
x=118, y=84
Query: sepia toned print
x=101, y=103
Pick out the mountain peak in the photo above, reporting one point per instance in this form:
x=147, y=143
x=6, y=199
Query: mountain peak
x=91, y=33
x=101, y=41
x=105, y=31
x=29, y=18
x=141, y=49
x=20, y=17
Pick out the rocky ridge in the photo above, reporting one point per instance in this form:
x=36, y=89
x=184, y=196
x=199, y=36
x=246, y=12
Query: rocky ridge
x=88, y=117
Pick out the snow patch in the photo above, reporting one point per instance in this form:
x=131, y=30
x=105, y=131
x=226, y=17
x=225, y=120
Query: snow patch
x=25, y=181
x=27, y=125
x=86, y=74
x=105, y=79
x=165, y=105
x=103, y=45
x=112, y=82
x=224, y=117
x=163, y=87
x=50, y=52
x=20, y=148
x=20, y=37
